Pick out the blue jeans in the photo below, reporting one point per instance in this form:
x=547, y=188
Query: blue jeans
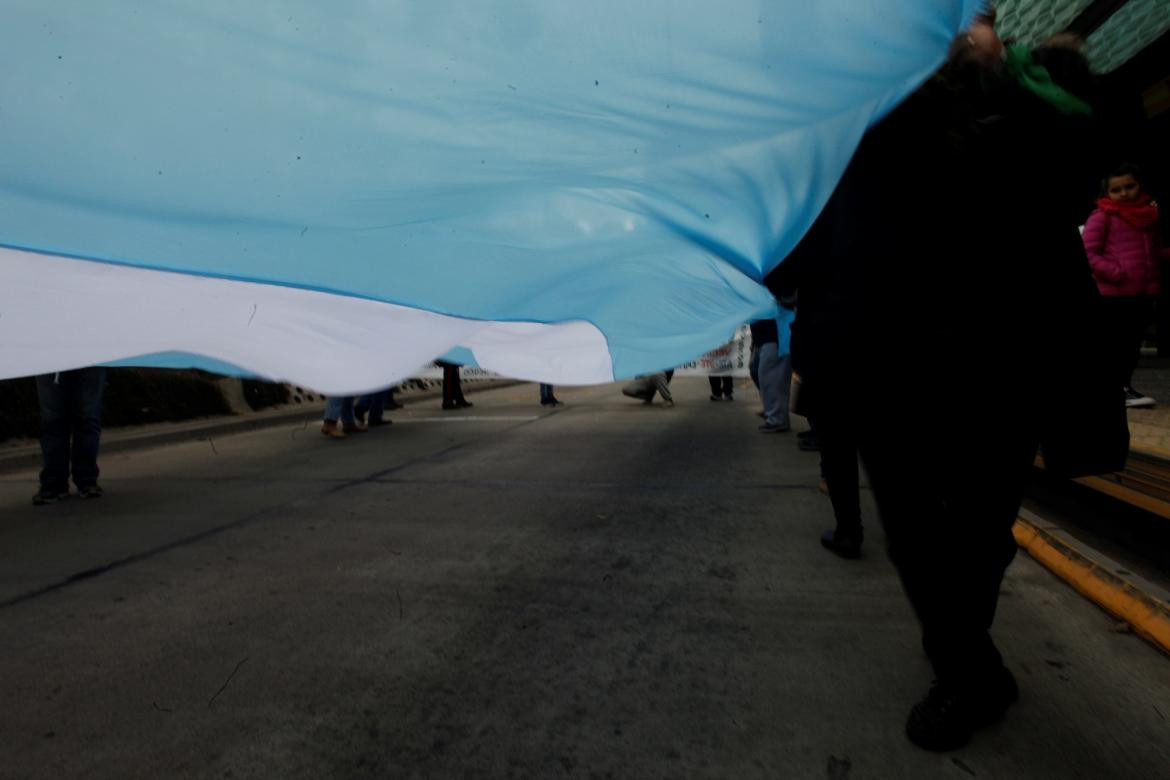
x=373, y=404
x=775, y=372
x=339, y=408
x=546, y=394
x=71, y=426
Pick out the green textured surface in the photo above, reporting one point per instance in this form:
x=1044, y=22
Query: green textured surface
x=1031, y=21
x=1136, y=24
x=1130, y=29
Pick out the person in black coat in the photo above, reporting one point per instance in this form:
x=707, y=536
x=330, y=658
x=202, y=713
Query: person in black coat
x=953, y=312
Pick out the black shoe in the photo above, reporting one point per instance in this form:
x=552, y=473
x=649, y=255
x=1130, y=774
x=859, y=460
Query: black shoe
x=774, y=428
x=714, y=397
x=845, y=545
x=808, y=444
x=947, y=717
x=805, y=434
x=463, y=403
x=729, y=397
x=379, y=423
x=49, y=496
x=359, y=414
x=90, y=491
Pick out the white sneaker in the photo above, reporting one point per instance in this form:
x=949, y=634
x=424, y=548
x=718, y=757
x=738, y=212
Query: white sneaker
x=1134, y=399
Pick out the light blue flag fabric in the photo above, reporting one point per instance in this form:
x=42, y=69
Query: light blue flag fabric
x=335, y=193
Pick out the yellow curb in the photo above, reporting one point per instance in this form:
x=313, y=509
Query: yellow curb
x=1148, y=615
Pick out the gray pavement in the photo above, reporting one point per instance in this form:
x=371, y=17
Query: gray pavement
x=606, y=589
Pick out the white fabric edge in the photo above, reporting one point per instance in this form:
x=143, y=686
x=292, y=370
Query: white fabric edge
x=59, y=313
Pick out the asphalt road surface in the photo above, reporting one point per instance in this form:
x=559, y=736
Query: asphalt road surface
x=601, y=590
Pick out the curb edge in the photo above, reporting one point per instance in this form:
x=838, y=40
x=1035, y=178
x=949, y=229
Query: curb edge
x=1148, y=615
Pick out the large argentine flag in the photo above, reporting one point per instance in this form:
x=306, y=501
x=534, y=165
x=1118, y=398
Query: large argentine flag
x=335, y=193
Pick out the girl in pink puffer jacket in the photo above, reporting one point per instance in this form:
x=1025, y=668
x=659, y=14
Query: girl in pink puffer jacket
x=1124, y=245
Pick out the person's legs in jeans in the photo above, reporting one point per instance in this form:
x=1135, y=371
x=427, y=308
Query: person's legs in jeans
x=716, y=387
x=339, y=412
x=772, y=373
x=785, y=383
x=372, y=404
x=728, y=387
x=333, y=408
x=346, y=412
x=53, y=399
x=85, y=386
x=546, y=394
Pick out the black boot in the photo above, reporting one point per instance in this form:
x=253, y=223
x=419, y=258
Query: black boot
x=847, y=544
x=947, y=717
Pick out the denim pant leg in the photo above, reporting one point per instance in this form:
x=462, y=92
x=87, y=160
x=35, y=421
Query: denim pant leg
x=785, y=385
x=772, y=371
x=546, y=393
x=53, y=399
x=86, y=386
x=337, y=406
x=374, y=404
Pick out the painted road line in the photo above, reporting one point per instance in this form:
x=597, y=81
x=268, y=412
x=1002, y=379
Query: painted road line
x=1142, y=604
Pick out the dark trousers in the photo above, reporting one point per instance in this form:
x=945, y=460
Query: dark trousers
x=721, y=385
x=373, y=404
x=71, y=426
x=1125, y=318
x=948, y=513
x=837, y=434
x=546, y=394
x=452, y=387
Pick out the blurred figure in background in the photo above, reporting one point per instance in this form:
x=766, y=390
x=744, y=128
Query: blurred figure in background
x=722, y=388
x=374, y=405
x=1124, y=244
x=452, y=387
x=71, y=430
x=339, y=418
x=645, y=386
x=546, y=396
x=774, y=375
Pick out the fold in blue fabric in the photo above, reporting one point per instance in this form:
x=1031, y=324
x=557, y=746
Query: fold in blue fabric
x=636, y=165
